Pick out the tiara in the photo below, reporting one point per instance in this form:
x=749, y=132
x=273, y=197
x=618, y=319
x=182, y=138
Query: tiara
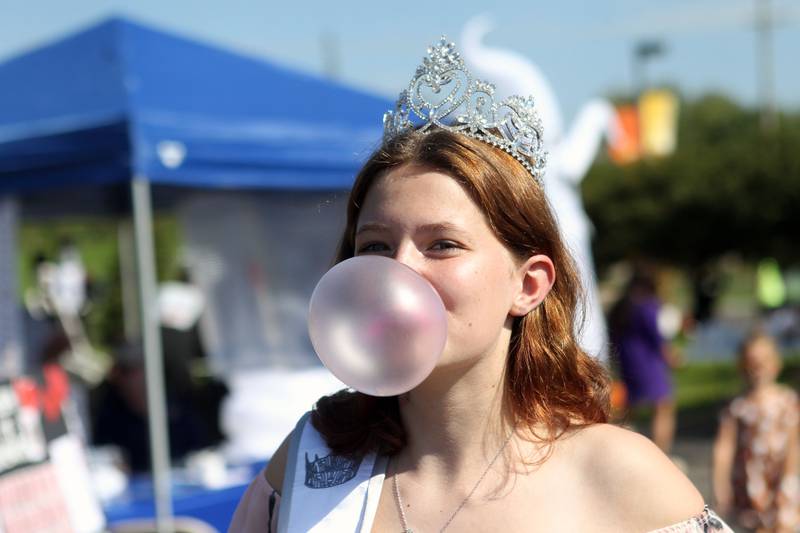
x=468, y=108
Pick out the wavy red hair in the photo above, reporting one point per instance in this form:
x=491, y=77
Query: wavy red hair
x=550, y=382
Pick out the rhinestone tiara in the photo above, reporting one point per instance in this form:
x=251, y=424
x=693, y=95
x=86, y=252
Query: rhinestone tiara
x=443, y=94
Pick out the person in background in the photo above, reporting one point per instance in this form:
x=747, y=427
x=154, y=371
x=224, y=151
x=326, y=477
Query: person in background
x=181, y=304
x=756, y=449
x=643, y=355
x=705, y=292
x=119, y=413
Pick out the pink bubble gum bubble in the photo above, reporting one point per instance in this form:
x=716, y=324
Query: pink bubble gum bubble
x=377, y=325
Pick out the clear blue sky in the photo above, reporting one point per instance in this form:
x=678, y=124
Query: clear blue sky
x=585, y=47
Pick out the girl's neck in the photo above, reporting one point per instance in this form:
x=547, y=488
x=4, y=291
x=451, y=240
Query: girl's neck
x=758, y=389
x=456, y=416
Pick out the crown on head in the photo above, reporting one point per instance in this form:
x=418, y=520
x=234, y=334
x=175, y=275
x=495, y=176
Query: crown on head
x=443, y=94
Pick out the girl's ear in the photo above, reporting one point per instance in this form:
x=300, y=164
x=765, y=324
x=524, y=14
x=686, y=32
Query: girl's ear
x=536, y=276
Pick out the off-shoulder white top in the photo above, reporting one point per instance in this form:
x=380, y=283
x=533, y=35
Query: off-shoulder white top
x=258, y=513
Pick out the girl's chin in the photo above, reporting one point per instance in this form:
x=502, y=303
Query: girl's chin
x=450, y=362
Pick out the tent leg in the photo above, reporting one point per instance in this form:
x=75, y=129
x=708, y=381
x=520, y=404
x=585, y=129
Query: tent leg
x=154, y=368
x=127, y=273
x=11, y=326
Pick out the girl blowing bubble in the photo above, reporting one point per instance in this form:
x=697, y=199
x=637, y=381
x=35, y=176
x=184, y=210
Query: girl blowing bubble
x=756, y=450
x=509, y=431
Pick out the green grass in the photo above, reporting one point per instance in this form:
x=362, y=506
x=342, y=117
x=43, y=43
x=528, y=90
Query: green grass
x=706, y=383
x=700, y=384
x=703, y=389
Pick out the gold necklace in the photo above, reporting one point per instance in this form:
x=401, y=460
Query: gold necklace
x=399, y=500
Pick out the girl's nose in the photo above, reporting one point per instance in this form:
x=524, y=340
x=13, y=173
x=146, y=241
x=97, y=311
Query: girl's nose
x=408, y=255
x=412, y=257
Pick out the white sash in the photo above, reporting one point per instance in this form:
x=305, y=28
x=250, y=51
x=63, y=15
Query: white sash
x=324, y=493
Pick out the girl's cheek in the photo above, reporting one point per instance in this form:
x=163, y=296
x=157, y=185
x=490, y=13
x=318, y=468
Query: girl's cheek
x=445, y=292
x=455, y=282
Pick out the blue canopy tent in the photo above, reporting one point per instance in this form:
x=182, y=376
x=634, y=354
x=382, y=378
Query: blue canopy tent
x=121, y=99
x=121, y=106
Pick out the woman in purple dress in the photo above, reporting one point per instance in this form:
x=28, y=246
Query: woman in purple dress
x=643, y=355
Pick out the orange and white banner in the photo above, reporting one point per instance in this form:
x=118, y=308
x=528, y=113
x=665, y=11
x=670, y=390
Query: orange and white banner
x=625, y=147
x=648, y=128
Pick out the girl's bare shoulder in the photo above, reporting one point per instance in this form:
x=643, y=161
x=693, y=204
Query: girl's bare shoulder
x=636, y=479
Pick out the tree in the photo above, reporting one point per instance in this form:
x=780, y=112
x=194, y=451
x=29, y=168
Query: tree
x=727, y=188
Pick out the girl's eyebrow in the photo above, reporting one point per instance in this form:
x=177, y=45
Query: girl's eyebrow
x=440, y=226
x=372, y=226
x=425, y=228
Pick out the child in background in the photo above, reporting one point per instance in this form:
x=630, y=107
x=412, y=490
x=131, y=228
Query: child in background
x=756, y=449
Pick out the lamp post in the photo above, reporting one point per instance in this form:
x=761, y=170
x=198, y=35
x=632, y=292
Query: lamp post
x=643, y=52
x=766, y=72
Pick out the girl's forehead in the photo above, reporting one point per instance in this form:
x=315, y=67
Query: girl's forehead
x=421, y=197
x=417, y=185
x=759, y=351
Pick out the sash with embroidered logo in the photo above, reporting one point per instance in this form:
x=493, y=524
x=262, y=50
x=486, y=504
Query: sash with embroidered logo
x=325, y=493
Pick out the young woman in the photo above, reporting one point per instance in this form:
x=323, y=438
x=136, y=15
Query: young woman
x=509, y=431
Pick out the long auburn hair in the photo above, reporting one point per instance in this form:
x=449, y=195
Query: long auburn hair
x=550, y=381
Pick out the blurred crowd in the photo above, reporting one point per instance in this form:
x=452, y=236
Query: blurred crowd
x=755, y=451
x=109, y=392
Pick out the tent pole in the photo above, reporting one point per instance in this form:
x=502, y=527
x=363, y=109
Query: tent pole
x=11, y=326
x=154, y=368
x=131, y=313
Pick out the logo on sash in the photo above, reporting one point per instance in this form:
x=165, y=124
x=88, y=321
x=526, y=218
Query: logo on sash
x=330, y=471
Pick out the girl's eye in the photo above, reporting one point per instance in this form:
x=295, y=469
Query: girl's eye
x=444, y=245
x=372, y=248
